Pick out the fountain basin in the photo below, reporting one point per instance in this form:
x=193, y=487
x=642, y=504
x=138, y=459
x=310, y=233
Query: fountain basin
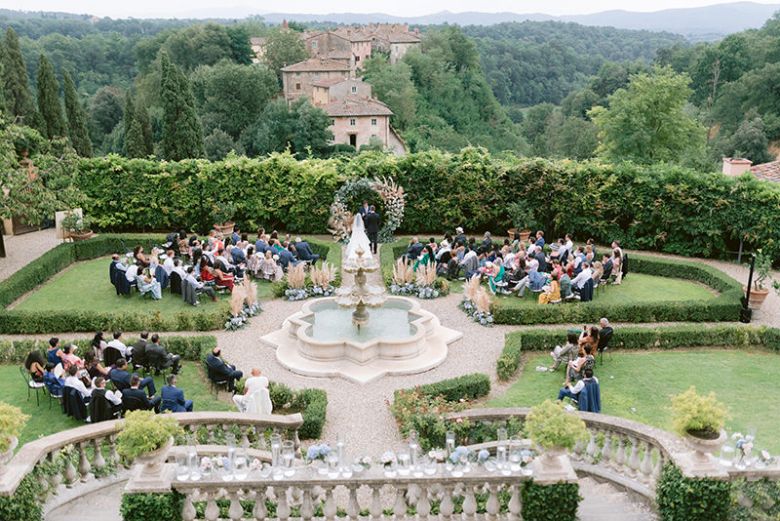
x=399, y=338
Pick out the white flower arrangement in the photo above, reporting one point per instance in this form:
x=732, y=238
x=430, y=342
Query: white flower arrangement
x=318, y=452
x=438, y=455
x=388, y=458
x=484, y=318
x=393, y=199
x=364, y=462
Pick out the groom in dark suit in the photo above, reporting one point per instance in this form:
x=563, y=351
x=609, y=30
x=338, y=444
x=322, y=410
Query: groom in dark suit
x=372, y=220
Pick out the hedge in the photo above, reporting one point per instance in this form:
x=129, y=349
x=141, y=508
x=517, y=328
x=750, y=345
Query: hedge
x=671, y=337
x=688, y=499
x=55, y=260
x=557, y=502
x=157, y=506
x=468, y=387
x=311, y=403
x=724, y=308
x=662, y=208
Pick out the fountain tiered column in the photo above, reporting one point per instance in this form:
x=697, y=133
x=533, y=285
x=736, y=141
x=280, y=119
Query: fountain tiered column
x=360, y=295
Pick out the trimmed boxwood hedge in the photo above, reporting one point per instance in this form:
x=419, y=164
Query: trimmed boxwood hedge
x=725, y=307
x=671, y=337
x=55, y=260
x=312, y=403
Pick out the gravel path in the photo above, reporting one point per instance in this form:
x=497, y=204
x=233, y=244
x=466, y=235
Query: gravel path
x=21, y=249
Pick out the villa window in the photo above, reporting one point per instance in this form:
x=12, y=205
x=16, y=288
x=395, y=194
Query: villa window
x=297, y=86
x=354, y=89
x=313, y=45
x=373, y=122
x=333, y=121
x=352, y=122
x=357, y=59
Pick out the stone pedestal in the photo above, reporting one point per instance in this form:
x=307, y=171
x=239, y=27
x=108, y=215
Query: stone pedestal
x=553, y=467
x=141, y=482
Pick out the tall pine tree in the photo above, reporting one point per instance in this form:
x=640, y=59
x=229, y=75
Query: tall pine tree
x=129, y=114
x=49, y=105
x=182, y=133
x=16, y=86
x=142, y=117
x=77, y=119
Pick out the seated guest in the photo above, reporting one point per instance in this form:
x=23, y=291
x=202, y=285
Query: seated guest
x=252, y=384
x=286, y=258
x=598, y=272
x=565, y=281
x=159, y=358
x=139, y=349
x=53, y=352
x=146, y=283
x=261, y=244
x=69, y=357
x=605, y=334
x=80, y=382
x=540, y=258
x=237, y=254
x=206, y=271
x=99, y=344
x=539, y=239
x=224, y=279
x=116, y=270
x=131, y=274
x=460, y=237
x=168, y=263
x=199, y=286
x=35, y=365
x=173, y=397
x=304, y=251
x=579, y=281
x=140, y=256
x=535, y=281
x=551, y=292
x=93, y=366
x=252, y=261
x=414, y=250
x=470, y=263
x=121, y=378
x=585, y=360
x=183, y=245
x=134, y=395
x=617, y=265
x=589, y=337
x=53, y=383
x=565, y=354
x=487, y=242
x=104, y=404
x=220, y=370
x=117, y=344
x=606, y=265
x=586, y=392
x=427, y=257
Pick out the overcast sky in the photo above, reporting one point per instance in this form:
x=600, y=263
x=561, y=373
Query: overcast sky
x=185, y=8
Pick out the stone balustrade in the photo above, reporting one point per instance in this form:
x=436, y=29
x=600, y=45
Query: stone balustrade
x=624, y=452
x=87, y=452
x=369, y=494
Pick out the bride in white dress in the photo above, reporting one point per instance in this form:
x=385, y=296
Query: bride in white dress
x=358, y=240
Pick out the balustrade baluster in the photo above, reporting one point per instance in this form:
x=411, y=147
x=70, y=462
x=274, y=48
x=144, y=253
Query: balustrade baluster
x=579, y=447
x=113, y=455
x=84, y=466
x=212, y=510
x=633, y=460
x=492, y=506
x=244, y=436
x=620, y=456
x=447, y=506
x=659, y=465
x=353, y=508
x=282, y=508
x=209, y=433
x=423, y=504
x=376, y=503
x=70, y=471
x=606, y=450
x=592, y=448
x=236, y=511
x=296, y=440
x=515, y=505
x=469, y=503
x=646, y=467
x=98, y=461
x=188, y=513
x=399, y=508
x=329, y=508
x=56, y=478
x=307, y=507
x=260, y=511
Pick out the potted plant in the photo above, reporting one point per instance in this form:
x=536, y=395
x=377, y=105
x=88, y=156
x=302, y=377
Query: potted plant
x=146, y=438
x=76, y=227
x=554, y=430
x=11, y=423
x=761, y=278
x=699, y=419
x=523, y=220
x=224, y=213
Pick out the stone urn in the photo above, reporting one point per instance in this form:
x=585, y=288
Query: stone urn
x=225, y=228
x=553, y=466
x=81, y=236
x=524, y=234
x=152, y=462
x=703, y=448
x=7, y=455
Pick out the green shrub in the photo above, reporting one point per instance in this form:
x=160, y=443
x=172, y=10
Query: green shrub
x=146, y=506
x=755, y=500
x=688, y=499
x=636, y=337
x=550, y=426
x=695, y=414
x=556, y=502
x=25, y=502
x=311, y=403
x=12, y=421
x=144, y=432
x=467, y=387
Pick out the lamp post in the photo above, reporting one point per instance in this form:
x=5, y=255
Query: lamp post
x=745, y=314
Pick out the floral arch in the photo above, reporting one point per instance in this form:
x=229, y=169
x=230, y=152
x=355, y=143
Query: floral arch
x=392, y=197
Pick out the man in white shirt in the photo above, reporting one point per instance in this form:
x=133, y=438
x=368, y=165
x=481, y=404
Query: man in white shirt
x=198, y=285
x=580, y=280
x=132, y=273
x=120, y=346
x=168, y=263
x=253, y=383
x=74, y=381
x=571, y=391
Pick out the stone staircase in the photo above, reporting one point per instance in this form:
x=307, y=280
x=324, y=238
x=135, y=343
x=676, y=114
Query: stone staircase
x=602, y=502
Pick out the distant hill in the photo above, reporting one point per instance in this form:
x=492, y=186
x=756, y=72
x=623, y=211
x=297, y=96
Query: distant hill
x=710, y=22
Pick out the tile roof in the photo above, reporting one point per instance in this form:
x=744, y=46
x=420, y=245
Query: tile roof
x=767, y=171
x=403, y=38
x=316, y=65
x=329, y=82
x=356, y=106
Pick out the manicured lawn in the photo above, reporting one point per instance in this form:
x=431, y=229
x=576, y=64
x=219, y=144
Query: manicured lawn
x=85, y=286
x=44, y=421
x=638, y=385
x=636, y=288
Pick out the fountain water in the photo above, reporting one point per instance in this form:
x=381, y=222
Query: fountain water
x=361, y=294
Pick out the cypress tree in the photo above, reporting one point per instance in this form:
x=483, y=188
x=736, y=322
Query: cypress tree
x=182, y=133
x=77, y=119
x=49, y=100
x=142, y=117
x=129, y=114
x=134, y=140
x=16, y=87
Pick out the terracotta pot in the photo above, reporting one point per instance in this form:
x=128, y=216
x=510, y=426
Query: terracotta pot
x=702, y=447
x=524, y=234
x=6, y=456
x=511, y=233
x=81, y=236
x=225, y=228
x=153, y=461
x=757, y=297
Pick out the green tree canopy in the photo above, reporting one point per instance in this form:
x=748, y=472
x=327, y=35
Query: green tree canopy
x=299, y=127
x=49, y=105
x=283, y=48
x=393, y=85
x=77, y=119
x=750, y=142
x=16, y=85
x=646, y=122
x=182, y=135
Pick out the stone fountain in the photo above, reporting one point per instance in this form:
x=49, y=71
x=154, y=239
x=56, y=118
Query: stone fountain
x=338, y=336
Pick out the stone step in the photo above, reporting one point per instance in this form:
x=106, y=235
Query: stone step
x=605, y=502
x=101, y=505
